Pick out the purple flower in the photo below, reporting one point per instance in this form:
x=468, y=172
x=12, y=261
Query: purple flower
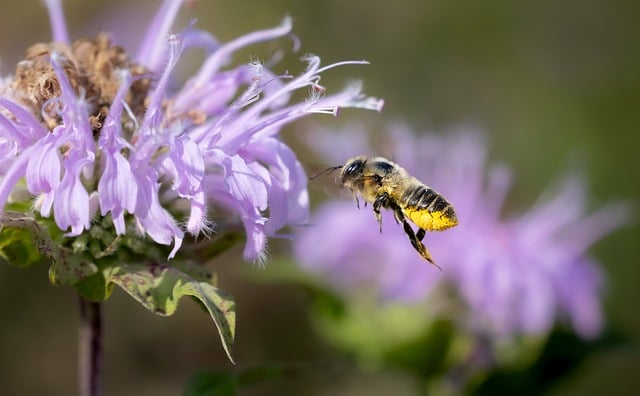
x=96, y=132
x=515, y=275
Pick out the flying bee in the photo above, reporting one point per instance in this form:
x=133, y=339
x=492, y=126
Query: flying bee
x=387, y=185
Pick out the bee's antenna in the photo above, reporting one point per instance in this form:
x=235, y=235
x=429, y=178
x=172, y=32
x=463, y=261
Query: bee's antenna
x=328, y=170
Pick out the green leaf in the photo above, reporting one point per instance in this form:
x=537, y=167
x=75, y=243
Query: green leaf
x=95, y=288
x=17, y=248
x=196, y=271
x=22, y=240
x=159, y=288
x=68, y=270
x=24, y=234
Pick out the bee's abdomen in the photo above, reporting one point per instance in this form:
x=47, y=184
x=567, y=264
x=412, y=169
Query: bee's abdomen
x=428, y=209
x=423, y=197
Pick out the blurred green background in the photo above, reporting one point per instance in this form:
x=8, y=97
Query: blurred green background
x=555, y=85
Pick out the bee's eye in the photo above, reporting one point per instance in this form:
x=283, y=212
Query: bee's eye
x=353, y=168
x=383, y=167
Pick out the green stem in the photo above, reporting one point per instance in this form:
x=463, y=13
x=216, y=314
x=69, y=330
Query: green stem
x=90, y=349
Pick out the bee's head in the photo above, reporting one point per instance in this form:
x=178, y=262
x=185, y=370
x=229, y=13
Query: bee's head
x=351, y=173
x=352, y=169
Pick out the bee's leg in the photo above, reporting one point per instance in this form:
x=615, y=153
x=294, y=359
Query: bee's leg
x=382, y=200
x=397, y=214
x=420, y=234
x=355, y=197
x=415, y=242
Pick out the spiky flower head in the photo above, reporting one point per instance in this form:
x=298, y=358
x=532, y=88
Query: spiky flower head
x=91, y=131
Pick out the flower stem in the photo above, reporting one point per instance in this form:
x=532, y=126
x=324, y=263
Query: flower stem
x=90, y=348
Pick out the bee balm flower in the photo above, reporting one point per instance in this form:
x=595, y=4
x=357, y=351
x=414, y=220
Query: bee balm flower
x=94, y=131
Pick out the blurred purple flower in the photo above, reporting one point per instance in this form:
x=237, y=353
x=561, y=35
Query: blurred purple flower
x=91, y=130
x=514, y=276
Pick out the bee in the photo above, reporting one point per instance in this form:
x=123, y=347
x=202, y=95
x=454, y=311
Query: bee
x=385, y=184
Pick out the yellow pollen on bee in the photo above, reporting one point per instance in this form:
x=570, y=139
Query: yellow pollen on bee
x=431, y=221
